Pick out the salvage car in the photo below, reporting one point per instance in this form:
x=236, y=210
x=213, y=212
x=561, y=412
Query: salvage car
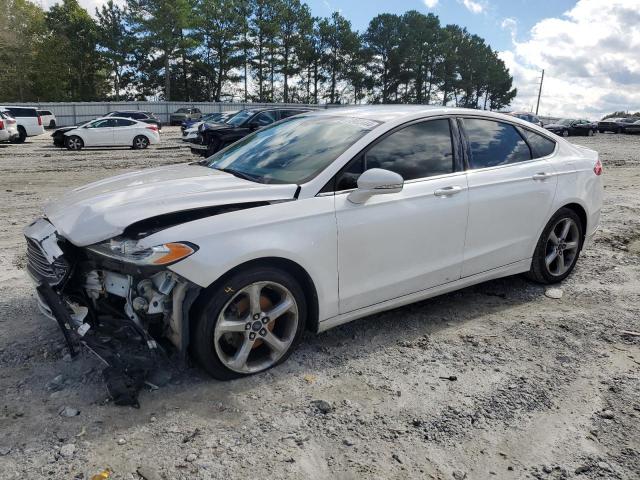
x=111, y=132
x=309, y=223
x=571, y=126
x=218, y=117
x=28, y=121
x=633, y=127
x=183, y=114
x=58, y=133
x=48, y=118
x=214, y=136
x=616, y=125
x=8, y=128
x=146, y=117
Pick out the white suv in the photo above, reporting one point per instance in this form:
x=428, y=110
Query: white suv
x=48, y=118
x=29, y=122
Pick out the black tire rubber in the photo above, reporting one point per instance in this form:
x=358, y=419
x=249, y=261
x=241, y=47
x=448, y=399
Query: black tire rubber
x=140, y=148
x=22, y=135
x=601, y=131
x=52, y=124
x=619, y=130
x=80, y=147
x=539, y=271
x=212, y=147
x=565, y=133
x=216, y=297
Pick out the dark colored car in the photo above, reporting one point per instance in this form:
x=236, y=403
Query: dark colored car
x=527, y=117
x=572, y=126
x=616, y=125
x=58, y=134
x=146, y=117
x=215, y=136
x=182, y=114
x=217, y=117
x=633, y=127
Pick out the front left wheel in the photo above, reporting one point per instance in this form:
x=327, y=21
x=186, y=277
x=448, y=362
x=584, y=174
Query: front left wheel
x=251, y=323
x=74, y=143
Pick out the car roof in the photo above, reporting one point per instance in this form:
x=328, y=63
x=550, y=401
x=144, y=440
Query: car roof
x=16, y=106
x=388, y=113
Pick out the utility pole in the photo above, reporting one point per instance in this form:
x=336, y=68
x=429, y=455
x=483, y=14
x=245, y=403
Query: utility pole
x=540, y=91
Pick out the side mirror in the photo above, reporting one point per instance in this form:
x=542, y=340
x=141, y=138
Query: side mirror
x=376, y=181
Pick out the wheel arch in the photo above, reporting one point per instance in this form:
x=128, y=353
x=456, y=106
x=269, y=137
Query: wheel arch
x=581, y=212
x=289, y=266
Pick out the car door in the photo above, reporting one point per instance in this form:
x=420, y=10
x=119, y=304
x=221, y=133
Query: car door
x=512, y=185
x=400, y=243
x=124, y=131
x=99, y=133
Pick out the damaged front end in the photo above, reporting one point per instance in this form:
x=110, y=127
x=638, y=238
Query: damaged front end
x=116, y=298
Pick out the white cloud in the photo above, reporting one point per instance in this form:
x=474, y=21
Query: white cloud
x=473, y=6
x=430, y=3
x=590, y=56
x=89, y=5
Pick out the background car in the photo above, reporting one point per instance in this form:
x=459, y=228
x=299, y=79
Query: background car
x=217, y=117
x=572, y=126
x=112, y=131
x=214, y=136
x=28, y=120
x=527, y=117
x=8, y=128
x=616, y=125
x=146, y=117
x=48, y=118
x=633, y=127
x=183, y=114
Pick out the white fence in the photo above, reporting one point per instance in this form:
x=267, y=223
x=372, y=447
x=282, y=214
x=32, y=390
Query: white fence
x=70, y=113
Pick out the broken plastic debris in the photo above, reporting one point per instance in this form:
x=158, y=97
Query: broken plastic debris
x=104, y=475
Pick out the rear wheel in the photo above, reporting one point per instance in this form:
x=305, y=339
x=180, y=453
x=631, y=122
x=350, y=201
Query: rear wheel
x=619, y=130
x=601, y=131
x=589, y=133
x=22, y=135
x=565, y=133
x=52, y=124
x=74, y=143
x=140, y=142
x=212, y=147
x=250, y=324
x=558, y=248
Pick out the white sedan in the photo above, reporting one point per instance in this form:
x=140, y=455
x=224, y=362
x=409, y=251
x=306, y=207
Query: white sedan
x=112, y=132
x=312, y=222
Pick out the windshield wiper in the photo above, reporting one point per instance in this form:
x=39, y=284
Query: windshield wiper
x=239, y=174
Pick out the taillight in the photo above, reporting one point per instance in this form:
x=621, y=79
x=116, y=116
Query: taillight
x=1, y=125
x=597, y=169
x=153, y=127
x=39, y=120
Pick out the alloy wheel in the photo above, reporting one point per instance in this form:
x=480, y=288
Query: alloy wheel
x=73, y=143
x=562, y=246
x=141, y=142
x=256, y=327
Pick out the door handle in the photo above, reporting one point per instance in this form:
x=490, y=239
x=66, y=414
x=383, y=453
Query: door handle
x=448, y=191
x=542, y=176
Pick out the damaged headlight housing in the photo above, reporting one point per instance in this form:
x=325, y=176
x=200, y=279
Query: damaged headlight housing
x=129, y=251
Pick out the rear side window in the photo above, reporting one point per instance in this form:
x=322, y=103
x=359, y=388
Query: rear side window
x=417, y=151
x=136, y=115
x=23, y=112
x=494, y=143
x=121, y=122
x=540, y=146
x=265, y=118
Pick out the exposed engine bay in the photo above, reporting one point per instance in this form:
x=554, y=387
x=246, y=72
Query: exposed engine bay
x=129, y=318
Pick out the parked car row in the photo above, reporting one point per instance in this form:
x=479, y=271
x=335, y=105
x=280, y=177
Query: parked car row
x=620, y=125
x=571, y=126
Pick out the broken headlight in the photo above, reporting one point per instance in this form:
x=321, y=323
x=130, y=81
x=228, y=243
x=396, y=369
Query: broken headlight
x=129, y=251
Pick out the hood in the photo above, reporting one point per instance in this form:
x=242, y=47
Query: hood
x=103, y=209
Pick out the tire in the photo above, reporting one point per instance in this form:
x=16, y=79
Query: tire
x=619, y=130
x=213, y=147
x=74, y=143
x=546, y=266
x=601, y=131
x=219, y=344
x=589, y=133
x=52, y=124
x=22, y=135
x=565, y=133
x=140, y=142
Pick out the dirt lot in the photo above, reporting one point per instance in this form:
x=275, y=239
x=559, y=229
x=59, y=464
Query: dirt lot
x=545, y=388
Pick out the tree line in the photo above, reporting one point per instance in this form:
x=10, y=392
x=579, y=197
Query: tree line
x=242, y=50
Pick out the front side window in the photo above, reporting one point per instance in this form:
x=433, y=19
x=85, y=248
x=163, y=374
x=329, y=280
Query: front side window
x=265, y=118
x=292, y=151
x=240, y=117
x=102, y=123
x=494, y=143
x=23, y=112
x=417, y=151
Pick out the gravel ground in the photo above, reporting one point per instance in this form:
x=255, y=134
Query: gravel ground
x=540, y=388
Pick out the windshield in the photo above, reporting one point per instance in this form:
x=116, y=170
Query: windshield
x=292, y=151
x=240, y=117
x=566, y=121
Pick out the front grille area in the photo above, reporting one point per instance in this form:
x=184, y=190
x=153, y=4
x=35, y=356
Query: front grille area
x=39, y=266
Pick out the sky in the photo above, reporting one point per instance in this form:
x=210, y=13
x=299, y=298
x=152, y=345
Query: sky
x=589, y=49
